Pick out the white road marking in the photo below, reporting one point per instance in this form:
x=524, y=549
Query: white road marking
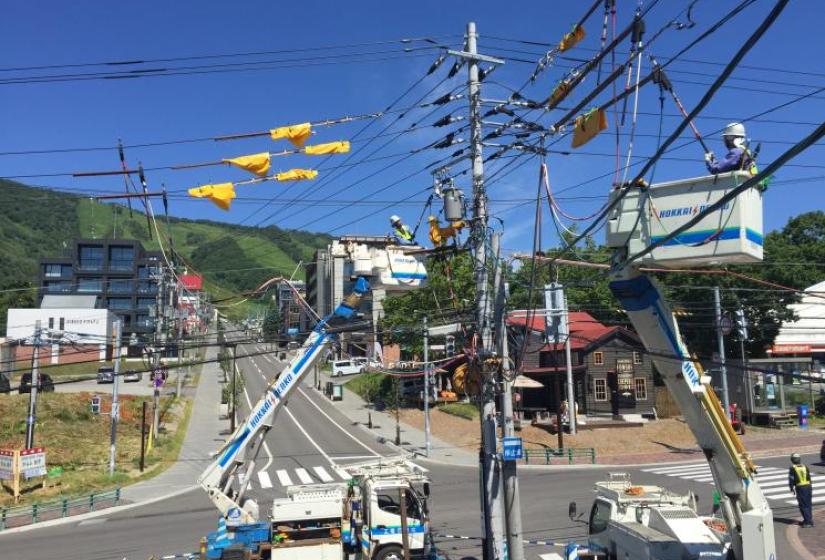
x=264, y=479
x=283, y=477
x=678, y=469
x=304, y=476
x=340, y=427
x=343, y=474
x=322, y=474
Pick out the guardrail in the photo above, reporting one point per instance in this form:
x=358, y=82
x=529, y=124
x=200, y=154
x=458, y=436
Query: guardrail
x=570, y=454
x=64, y=507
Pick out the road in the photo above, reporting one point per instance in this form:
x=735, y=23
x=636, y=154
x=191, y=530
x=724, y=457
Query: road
x=309, y=439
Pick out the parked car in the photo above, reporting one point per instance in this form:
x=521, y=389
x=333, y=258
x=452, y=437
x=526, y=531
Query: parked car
x=362, y=361
x=5, y=386
x=44, y=383
x=132, y=375
x=106, y=374
x=346, y=367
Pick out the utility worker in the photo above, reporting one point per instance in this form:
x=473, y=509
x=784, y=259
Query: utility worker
x=799, y=479
x=402, y=231
x=738, y=156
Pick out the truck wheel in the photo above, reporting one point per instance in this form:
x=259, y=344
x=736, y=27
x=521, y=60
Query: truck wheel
x=392, y=552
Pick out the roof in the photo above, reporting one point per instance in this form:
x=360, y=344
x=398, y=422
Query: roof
x=584, y=328
x=66, y=301
x=191, y=281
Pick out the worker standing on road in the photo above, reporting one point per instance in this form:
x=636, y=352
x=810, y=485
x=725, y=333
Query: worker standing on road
x=738, y=156
x=799, y=479
x=402, y=231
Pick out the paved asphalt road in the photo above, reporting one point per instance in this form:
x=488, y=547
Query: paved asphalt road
x=309, y=437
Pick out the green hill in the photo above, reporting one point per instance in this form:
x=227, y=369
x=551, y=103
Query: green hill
x=37, y=223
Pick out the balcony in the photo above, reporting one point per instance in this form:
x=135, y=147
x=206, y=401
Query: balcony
x=90, y=265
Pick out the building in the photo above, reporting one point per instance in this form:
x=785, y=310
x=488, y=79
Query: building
x=804, y=337
x=611, y=373
x=72, y=330
x=191, y=312
x=294, y=317
x=119, y=273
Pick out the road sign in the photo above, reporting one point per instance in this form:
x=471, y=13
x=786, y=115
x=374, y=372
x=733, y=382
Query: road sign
x=6, y=464
x=513, y=448
x=33, y=462
x=726, y=324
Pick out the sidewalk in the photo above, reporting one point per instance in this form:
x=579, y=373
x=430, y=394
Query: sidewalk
x=383, y=425
x=809, y=543
x=203, y=437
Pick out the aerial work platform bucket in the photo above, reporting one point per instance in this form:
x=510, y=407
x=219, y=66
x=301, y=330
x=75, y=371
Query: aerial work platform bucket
x=732, y=234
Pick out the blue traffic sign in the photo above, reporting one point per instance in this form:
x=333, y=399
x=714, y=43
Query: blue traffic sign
x=513, y=448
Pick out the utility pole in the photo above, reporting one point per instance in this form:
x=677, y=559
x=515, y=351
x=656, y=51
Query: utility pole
x=426, y=389
x=721, y=340
x=30, y=419
x=512, y=502
x=557, y=325
x=115, y=402
x=742, y=330
x=494, y=543
x=234, y=392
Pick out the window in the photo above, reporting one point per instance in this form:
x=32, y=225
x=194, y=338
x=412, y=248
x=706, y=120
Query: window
x=147, y=287
x=598, y=358
x=145, y=302
x=91, y=257
x=119, y=303
x=144, y=321
x=599, y=516
x=121, y=258
x=89, y=285
x=57, y=287
x=600, y=390
x=146, y=272
x=51, y=322
x=120, y=286
x=62, y=323
x=389, y=503
x=53, y=271
x=637, y=358
x=641, y=389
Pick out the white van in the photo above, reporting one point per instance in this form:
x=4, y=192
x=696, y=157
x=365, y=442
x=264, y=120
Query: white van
x=346, y=367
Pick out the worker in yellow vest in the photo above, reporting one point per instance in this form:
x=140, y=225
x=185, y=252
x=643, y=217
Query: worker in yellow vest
x=799, y=479
x=401, y=231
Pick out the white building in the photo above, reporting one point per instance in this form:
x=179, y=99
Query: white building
x=804, y=337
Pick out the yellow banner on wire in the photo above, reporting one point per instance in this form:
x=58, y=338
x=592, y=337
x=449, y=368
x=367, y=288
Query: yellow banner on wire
x=221, y=194
x=297, y=134
x=341, y=147
x=254, y=163
x=588, y=126
x=296, y=175
x=571, y=39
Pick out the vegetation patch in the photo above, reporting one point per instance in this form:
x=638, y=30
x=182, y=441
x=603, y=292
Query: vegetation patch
x=468, y=411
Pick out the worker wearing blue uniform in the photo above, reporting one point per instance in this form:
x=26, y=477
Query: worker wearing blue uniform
x=799, y=479
x=738, y=156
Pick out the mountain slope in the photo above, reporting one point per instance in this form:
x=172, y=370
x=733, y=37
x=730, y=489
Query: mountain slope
x=36, y=223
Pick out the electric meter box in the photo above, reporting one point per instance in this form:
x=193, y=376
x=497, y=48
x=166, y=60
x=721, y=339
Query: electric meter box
x=732, y=234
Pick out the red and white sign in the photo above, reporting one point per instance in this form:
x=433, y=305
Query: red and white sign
x=6, y=464
x=791, y=349
x=33, y=462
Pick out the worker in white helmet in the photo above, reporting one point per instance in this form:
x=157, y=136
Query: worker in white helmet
x=738, y=158
x=402, y=231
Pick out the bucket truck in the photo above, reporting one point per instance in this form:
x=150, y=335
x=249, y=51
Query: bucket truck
x=632, y=521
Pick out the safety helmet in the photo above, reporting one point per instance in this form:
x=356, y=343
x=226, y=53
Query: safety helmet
x=795, y=458
x=734, y=130
x=394, y=219
x=432, y=218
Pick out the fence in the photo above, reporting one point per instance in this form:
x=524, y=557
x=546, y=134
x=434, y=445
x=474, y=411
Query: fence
x=65, y=507
x=570, y=454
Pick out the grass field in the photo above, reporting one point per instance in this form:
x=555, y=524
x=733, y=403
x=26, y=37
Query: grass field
x=78, y=441
x=468, y=411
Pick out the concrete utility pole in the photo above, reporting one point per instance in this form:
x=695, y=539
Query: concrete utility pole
x=426, y=388
x=494, y=543
x=30, y=419
x=159, y=311
x=723, y=370
x=512, y=502
x=742, y=330
x=115, y=402
x=557, y=326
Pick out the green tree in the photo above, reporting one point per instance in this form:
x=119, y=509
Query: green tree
x=272, y=324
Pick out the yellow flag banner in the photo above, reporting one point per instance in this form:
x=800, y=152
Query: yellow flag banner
x=220, y=194
x=296, y=175
x=571, y=39
x=297, y=134
x=329, y=148
x=254, y=163
x=588, y=126
x=561, y=91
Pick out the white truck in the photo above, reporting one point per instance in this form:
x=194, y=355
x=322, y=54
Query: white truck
x=657, y=524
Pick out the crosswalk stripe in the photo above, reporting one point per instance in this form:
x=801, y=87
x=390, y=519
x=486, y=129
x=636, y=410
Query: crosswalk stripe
x=322, y=474
x=342, y=473
x=681, y=468
x=766, y=478
x=304, y=476
x=264, y=479
x=283, y=477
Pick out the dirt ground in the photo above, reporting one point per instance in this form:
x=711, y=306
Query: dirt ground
x=669, y=434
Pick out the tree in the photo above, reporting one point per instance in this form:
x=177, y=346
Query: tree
x=273, y=323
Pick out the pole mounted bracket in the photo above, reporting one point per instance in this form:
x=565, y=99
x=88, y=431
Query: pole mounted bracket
x=476, y=57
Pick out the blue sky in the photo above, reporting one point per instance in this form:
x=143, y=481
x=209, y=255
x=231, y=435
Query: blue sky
x=95, y=113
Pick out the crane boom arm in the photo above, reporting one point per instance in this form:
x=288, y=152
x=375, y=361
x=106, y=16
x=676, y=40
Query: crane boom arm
x=747, y=513
x=216, y=479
